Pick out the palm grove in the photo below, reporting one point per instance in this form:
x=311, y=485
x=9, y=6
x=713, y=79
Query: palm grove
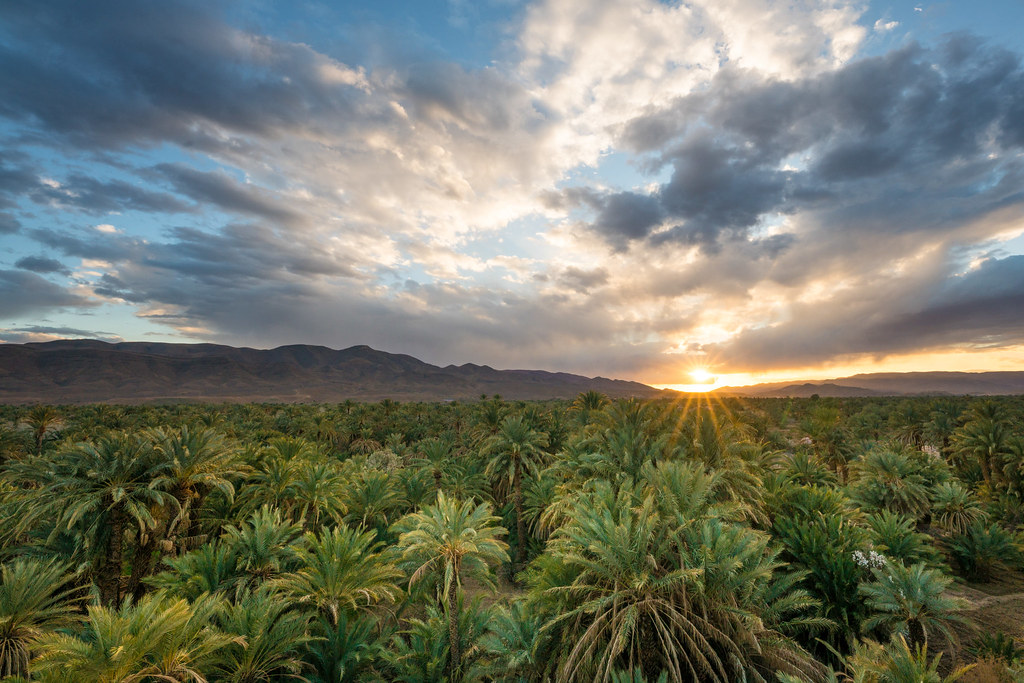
x=592, y=540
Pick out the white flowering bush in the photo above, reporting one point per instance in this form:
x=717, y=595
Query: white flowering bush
x=869, y=560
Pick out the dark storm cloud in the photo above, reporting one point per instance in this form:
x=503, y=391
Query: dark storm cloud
x=152, y=72
x=24, y=293
x=914, y=139
x=218, y=188
x=42, y=264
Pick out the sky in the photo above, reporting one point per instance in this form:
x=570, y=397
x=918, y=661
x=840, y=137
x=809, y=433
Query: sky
x=750, y=190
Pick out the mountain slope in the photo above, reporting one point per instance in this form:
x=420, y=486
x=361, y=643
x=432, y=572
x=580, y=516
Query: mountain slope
x=86, y=371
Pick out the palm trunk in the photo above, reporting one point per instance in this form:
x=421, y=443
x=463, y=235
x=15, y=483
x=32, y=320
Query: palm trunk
x=109, y=580
x=142, y=566
x=517, y=493
x=454, y=651
x=915, y=631
x=986, y=469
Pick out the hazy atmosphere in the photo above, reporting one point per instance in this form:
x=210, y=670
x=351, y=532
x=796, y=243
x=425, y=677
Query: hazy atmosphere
x=636, y=190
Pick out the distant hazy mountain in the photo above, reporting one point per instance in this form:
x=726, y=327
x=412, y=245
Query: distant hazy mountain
x=87, y=371
x=894, y=384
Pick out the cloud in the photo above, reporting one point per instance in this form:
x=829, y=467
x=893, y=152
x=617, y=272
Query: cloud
x=42, y=264
x=93, y=196
x=582, y=280
x=220, y=190
x=44, y=333
x=973, y=311
x=890, y=143
x=8, y=224
x=25, y=293
x=474, y=213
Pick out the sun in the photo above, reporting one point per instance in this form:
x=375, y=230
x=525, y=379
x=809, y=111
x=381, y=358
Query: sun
x=702, y=376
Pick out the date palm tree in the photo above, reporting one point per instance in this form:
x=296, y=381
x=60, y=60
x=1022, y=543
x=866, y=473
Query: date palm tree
x=516, y=449
x=270, y=639
x=448, y=541
x=909, y=601
x=159, y=638
x=189, y=463
x=955, y=508
x=984, y=439
x=43, y=420
x=435, y=455
x=341, y=571
x=36, y=597
x=106, y=488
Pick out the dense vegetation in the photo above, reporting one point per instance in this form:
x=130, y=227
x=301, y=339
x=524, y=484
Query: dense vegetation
x=755, y=540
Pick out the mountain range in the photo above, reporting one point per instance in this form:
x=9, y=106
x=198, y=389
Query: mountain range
x=89, y=371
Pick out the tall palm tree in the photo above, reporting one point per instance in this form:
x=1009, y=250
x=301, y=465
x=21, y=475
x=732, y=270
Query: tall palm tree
x=984, y=439
x=106, y=487
x=317, y=493
x=36, y=597
x=450, y=540
x=197, y=461
x=516, y=449
x=189, y=464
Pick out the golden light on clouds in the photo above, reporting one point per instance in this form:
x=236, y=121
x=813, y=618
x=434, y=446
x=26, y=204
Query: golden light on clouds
x=1007, y=359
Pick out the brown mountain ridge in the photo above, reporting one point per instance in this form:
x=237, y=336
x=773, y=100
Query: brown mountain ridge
x=90, y=371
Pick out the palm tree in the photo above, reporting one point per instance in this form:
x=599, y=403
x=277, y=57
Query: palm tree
x=516, y=449
x=317, y=492
x=263, y=545
x=909, y=600
x=890, y=480
x=105, y=487
x=449, y=540
x=345, y=652
x=197, y=461
x=955, y=508
x=271, y=637
x=632, y=581
x=897, y=662
x=341, y=571
x=36, y=597
x=159, y=638
x=512, y=644
x=435, y=456
x=43, y=420
x=372, y=499
x=189, y=464
x=983, y=439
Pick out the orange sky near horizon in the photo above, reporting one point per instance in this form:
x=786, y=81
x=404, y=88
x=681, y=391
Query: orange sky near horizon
x=992, y=360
